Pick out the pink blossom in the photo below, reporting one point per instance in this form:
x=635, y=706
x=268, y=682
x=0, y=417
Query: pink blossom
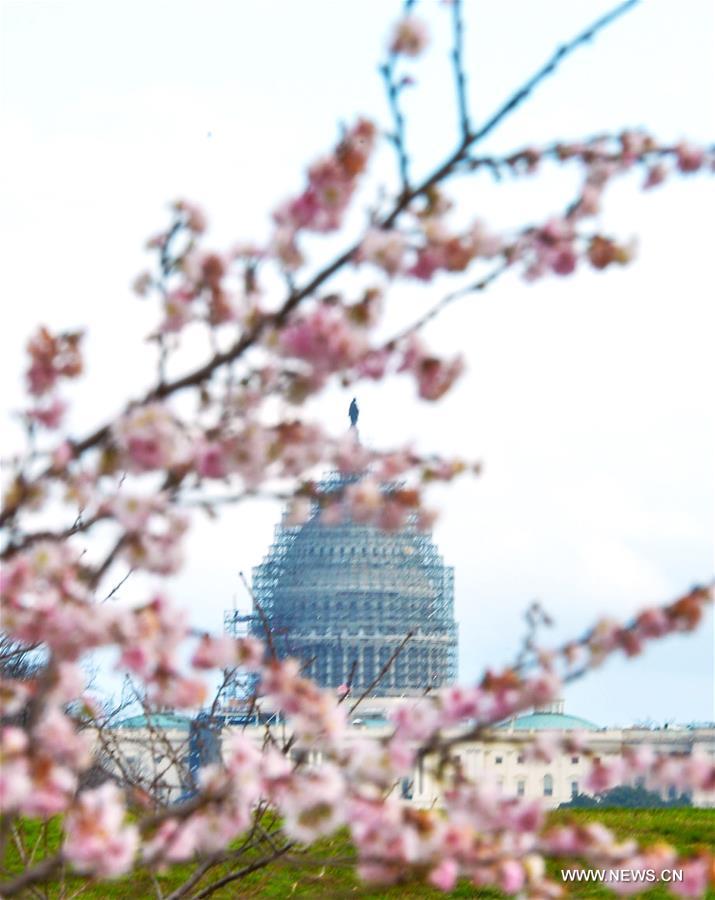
x=56, y=733
x=542, y=688
x=416, y=721
x=179, y=691
x=69, y=683
x=150, y=438
x=392, y=515
x=656, y=175
x=460, y=703
x=211, y=460
x=383, y=248
x=400, y=756
x=690, y=158
x=173, y=841
x=605, y=775
x=142, y=283
x=15, y=782
x=96, y=838
x=325, y=337
x=52, y=788
x=429, y=260
x=653, y=623
x=331, y=184
x=178, y=310
x=133, y=512
x=298, y=512
x=511, y=876
x=62, y=455
x=590, y=201
x=194, y=215
x=157, y=552
x=13, y=696
x=50, y=415
x=444, y=876
x=350, y=455
x=52, y=357
x=364, y=499
x=250, y=653
x=484, y=243
x=695, y=879
x=564, y=259
x=285, y=248
x=435, y=376
x=313, y=807
x=215, y=653
x=410, y=36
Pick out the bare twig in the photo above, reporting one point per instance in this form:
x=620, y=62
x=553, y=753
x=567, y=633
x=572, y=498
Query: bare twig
x=397, y=135
x=460, y=77
x=383, y=671
x=26, y=879
x=246, y=870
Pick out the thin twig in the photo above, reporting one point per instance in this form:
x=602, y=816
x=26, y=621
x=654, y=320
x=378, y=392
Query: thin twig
x=383, y=671
x=397, y=135
x=246, y=870
x=117, y=586
x=460, y=77
x=435, y=310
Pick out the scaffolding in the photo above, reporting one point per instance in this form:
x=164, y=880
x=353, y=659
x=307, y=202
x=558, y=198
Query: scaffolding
x=342, y=598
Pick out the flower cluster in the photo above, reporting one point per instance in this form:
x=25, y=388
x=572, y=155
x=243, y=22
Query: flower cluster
x=410, y=36
x=97, y=840
x=150, y=438
x=52, y=357
x=321, y=206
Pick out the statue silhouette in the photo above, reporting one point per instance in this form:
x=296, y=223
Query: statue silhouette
x=353, y=412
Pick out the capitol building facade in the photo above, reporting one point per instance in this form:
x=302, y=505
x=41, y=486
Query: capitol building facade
x=356, y=605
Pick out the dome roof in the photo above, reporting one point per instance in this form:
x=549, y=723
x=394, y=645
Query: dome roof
x=549, y=721
x=157, y=720
x=342, y=596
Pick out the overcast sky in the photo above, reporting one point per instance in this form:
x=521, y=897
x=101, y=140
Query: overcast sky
x=587, y=398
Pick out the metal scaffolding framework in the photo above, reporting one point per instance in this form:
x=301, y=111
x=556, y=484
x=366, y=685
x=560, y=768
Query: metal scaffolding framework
x=342, y=597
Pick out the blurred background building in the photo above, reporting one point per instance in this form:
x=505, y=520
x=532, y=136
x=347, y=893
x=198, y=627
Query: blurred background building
x=342, y=597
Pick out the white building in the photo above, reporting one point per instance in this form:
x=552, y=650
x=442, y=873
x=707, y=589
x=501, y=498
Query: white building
x=162, y=751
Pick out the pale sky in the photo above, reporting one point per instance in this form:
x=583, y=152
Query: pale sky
x=587, y=398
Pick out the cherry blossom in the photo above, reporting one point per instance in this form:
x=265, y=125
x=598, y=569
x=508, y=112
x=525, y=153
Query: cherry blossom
x=97, y=840
x=410, y=36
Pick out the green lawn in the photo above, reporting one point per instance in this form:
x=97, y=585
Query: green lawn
x=685, y=829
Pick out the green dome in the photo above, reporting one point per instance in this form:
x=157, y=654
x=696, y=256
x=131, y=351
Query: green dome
x=158, y=720
x=549, y=721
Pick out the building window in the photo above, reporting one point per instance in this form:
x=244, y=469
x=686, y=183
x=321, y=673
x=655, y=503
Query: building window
x=574, y=788
x=548, y=786
x=520, y=758
x=574, y=760
x=499, y=760
x=520, y=788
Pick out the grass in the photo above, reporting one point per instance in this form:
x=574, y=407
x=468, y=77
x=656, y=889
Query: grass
x=686, y=829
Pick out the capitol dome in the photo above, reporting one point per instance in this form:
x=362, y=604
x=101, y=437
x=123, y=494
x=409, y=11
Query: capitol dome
x=549, y=717
x=343, y=597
